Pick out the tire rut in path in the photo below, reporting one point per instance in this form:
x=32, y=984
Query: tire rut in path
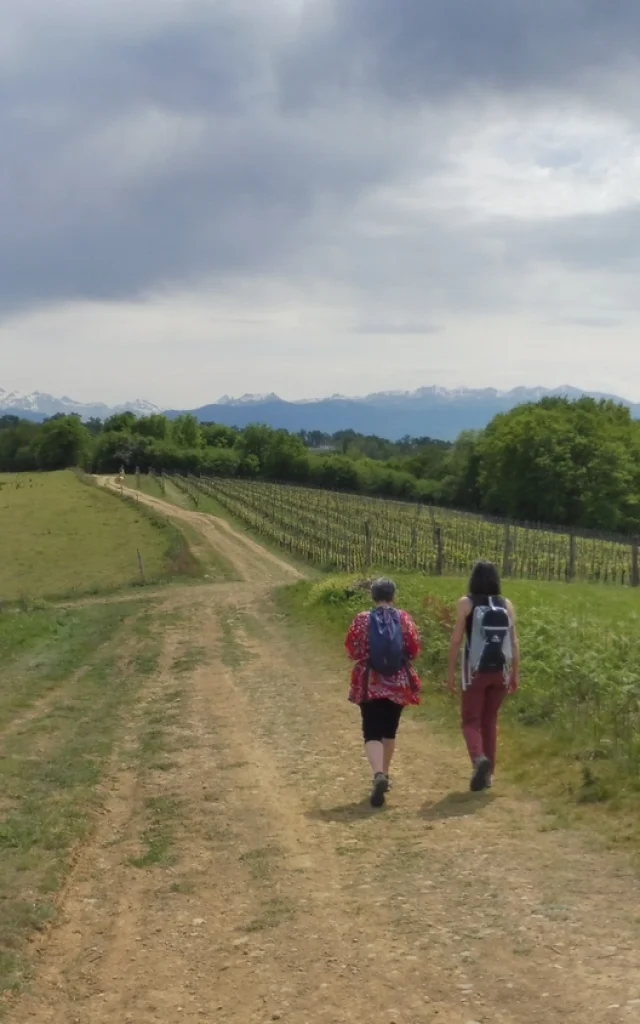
x=291, y=900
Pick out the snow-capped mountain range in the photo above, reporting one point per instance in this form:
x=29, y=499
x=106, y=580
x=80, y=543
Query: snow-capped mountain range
x=520, y=394
x=429, y=411
x=38, y=405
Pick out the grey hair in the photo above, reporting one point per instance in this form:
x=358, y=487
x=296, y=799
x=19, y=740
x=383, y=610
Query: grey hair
x=383, y=590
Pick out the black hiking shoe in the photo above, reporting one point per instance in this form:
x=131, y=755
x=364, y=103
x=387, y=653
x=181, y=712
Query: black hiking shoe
x=481, y=774
x=380, y=787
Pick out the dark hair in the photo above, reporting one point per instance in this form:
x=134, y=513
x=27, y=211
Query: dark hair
x=485, y=580
x=383, y=590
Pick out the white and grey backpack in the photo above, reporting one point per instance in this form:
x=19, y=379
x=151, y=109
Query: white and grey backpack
x=490, y=644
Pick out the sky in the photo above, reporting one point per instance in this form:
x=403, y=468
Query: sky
x=208, y=197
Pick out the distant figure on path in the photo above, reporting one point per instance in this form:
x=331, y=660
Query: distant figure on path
x=486, y=624
x=383, y=643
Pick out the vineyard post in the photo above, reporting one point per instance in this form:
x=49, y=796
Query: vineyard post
x=414, y=545
x=143, y=575
x=635, y=563
x=439, y=550
x=573, y=557
x=368, y=546
x=506, y=561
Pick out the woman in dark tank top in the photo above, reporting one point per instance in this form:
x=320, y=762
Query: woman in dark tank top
x=483, y=692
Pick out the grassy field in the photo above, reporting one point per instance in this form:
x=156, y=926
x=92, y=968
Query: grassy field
x=60, y=537
x=346, y=531
x=69, y=680
x=573, y=730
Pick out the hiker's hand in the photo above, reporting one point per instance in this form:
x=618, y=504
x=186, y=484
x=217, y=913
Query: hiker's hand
x=513, y=685
x=451, y=683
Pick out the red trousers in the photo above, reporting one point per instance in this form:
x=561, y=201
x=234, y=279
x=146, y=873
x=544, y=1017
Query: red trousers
x=481, y=703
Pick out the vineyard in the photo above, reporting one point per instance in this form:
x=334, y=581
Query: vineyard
x=351, y=532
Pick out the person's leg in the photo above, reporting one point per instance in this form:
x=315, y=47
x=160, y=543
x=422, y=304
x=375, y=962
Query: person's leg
x=473, y=700
x=472, y=705
x=372, y=722
x=392, y=713
x=493, y=700
x=372, y=733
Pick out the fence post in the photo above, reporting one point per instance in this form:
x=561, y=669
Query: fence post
x=368, y=546
x=635, y=564
x=414, y=545
x=439, y=550
x=573, y=557
x=141, y=566
x=506, y=561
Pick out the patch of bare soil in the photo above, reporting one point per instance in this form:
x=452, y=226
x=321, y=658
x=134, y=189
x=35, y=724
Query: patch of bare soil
x=286, y=897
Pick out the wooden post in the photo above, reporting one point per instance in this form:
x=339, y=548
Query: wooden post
x=141, y=566
x=439, y=551
x=506, y=561
x=368, y=545
x=635, y=564
x=414, y=545
x=573, y=558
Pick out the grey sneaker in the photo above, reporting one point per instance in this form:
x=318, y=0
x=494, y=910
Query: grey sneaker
x=389, y=784
x=380, y=787
x=489, y=783
x=481, y=773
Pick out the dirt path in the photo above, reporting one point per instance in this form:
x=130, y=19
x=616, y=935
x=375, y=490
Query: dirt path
x=286, y=897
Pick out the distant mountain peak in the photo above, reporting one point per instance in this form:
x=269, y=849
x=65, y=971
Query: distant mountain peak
x=248, y=399
x=40, y=404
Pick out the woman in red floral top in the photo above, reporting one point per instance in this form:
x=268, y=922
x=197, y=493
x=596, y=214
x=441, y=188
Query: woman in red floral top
x=382, y=697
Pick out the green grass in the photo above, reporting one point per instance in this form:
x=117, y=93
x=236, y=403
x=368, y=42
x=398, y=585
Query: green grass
x=573, y=730
x=68, y=685
x=61, y=538
x=213, y=564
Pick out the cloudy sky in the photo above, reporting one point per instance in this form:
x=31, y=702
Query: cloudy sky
x=308, y=196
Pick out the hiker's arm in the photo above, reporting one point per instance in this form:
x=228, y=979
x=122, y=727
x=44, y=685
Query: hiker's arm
x=356, y=640
x=412, y=643
x=515, y=643
x=457, y=640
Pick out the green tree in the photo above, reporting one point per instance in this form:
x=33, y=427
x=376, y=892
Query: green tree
x=155, y=426
x=63, y=442
x=185, y=431
x=121, y=422
x=217, y=435
x=570, y=463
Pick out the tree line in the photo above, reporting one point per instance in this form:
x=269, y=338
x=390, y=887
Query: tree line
x=564, y=463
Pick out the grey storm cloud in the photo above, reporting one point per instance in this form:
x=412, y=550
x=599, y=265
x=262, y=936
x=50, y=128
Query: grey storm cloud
x=427, y=49
x=149, y=145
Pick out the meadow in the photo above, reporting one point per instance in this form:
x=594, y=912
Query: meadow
x=341, y=531
x=62, y=537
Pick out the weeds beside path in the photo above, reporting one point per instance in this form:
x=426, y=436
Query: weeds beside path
x=238, y=876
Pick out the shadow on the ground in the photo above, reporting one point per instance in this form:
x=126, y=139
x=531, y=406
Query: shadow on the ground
x=456, y=805
x=344, y=813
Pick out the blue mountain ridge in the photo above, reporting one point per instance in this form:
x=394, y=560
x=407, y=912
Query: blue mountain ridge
x=429, y=413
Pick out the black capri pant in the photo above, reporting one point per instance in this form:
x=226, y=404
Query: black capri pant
x=380, y=719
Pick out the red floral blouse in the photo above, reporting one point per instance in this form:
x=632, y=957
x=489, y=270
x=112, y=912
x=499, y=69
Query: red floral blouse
x=403, y=688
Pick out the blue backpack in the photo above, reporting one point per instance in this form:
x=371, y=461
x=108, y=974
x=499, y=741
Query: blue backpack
x=386, y=642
